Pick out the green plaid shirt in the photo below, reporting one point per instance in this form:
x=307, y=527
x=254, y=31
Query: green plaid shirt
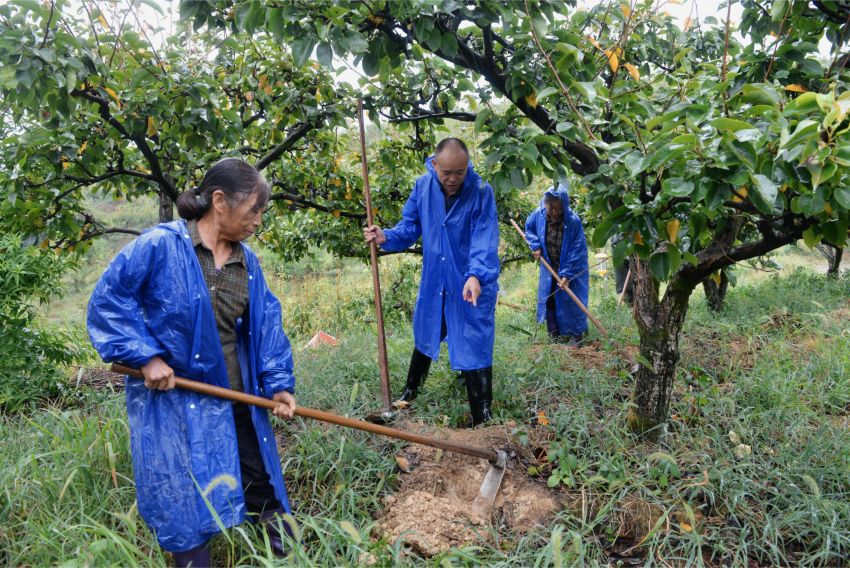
x=228, y=288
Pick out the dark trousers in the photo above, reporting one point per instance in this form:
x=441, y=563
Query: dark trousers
x=551, y=312
x=256, y=484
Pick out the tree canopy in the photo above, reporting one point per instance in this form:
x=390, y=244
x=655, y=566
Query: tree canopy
x=704, y=144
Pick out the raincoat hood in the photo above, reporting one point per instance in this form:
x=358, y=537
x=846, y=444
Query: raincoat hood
x=563, y=193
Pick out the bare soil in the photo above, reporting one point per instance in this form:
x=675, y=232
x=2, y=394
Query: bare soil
x=432, y=509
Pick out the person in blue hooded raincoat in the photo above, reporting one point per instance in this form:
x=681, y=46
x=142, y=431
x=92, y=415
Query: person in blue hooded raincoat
x=189, y=299
x=555, y=232
x=454, y=212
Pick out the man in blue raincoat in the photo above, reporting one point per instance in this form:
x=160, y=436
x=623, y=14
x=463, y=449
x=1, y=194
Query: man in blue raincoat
x=454, y=211
x=555, y=232
x=189, y=299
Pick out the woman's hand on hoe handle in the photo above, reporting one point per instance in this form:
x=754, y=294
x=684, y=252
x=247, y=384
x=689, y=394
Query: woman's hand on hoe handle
x=158, y=375
x=286, y=408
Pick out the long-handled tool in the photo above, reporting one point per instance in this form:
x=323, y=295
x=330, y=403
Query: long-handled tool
x=386, y=413
x=566, y=288
x=497, y=458
x=625, y=287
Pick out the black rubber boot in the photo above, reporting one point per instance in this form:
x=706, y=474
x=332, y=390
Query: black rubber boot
x=420, y=364
x=198, y=557
x=479, y=390
x=270, y=522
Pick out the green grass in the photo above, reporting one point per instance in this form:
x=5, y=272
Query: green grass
x=770, y=372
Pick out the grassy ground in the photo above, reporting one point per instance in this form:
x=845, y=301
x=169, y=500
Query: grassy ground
x=754, y=472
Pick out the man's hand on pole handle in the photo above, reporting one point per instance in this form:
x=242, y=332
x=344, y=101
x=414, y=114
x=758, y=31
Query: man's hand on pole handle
x=158, y=375
x=374, y=233
x=536, y=254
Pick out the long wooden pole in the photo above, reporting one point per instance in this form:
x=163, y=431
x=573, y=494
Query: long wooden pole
x=376, y=277
x=625, y=287
x=566, y=288
x=304, y=412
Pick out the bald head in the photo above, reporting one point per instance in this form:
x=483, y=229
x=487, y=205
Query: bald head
x=450, y=160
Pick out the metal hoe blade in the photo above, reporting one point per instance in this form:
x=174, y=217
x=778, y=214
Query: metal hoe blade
x=486, y=498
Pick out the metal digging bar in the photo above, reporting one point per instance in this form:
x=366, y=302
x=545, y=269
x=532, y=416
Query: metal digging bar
x=497, y=458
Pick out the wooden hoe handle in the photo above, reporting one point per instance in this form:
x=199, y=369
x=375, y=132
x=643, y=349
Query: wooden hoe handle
x=304, y=412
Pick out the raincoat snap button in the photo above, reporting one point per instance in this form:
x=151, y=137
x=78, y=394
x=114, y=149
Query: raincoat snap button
x=265, y=439
x=192, y=406
x=197, y=355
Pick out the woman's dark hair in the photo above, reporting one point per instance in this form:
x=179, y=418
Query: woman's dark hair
x=236, y=178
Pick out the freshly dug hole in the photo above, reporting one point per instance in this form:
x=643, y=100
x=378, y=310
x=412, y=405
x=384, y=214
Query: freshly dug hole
x=432, y=510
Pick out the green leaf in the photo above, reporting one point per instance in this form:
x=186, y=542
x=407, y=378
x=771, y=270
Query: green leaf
x=660, y=265
x=635, y=162
x=821, y=174
x=449, y=45
x=302, y=48
x=325, y=55
x=811, y=238
x=356, y=42
x=763, y=194
x=842, y=196
x=730, y=124
x=541, y=25
x=778, y=10
x=664, y=154
x=745, y=152
x=546, y=92
x=760, y=94
x=70, y=79
x=842, y=156
x=677, y=187
x=805, y=103
x=587, y=90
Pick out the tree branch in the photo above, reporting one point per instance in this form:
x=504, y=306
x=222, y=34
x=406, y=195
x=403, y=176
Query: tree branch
x=585, y=159
x=157, y=175
x=298, y=200
x=425, y=115
x=294, y=136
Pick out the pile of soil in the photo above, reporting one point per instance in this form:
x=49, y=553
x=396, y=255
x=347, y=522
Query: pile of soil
x=432, y=510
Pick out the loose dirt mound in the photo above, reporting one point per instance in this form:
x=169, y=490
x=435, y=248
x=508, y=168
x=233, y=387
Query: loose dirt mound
x=432, y=511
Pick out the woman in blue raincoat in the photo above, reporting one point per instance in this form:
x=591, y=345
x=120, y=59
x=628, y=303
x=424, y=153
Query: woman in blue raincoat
x=454, y=211
x=555, y=232
x=189, y=299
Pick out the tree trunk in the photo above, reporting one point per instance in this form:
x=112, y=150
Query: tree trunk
x=659, y=324
x=715, y=292
x=166, y=209
x=833, y=255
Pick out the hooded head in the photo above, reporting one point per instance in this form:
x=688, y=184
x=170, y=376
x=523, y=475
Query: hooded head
x=556, y=202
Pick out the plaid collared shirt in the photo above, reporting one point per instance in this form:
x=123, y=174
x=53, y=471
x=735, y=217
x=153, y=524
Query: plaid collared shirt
x=554, y=236
x=228, y=289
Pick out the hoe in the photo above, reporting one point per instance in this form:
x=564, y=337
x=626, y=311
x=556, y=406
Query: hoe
x=483, y=503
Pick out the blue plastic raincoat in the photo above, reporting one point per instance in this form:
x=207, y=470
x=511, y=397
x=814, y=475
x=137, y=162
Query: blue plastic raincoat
x=152, y=300
x=457, y=244
x=573, y=265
